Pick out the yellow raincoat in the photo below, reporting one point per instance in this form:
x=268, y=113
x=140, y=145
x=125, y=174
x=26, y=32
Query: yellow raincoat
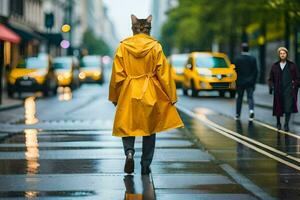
x=142, y=86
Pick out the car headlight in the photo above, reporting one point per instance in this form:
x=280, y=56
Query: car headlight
x=63, y=76
x=67, y=75
x=60, y=77
x=97, y=73
x=82, y=75
x=12, y=79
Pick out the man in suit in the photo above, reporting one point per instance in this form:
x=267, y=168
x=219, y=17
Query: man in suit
x=246, y=69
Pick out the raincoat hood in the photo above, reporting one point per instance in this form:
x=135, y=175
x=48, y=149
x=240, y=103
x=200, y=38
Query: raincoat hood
x=139, y=45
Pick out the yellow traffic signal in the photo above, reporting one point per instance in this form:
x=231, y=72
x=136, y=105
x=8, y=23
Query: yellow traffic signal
x=66, y=28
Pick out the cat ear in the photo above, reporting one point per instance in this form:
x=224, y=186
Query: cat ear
x=134, y=19
x=149, y=19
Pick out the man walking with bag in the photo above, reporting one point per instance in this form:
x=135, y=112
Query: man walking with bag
x=246, y=69
x=144, y=93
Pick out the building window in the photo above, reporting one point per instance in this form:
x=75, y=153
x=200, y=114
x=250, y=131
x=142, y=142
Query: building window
x=16, y=7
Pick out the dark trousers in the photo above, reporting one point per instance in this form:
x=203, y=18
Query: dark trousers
x=287, y=119
x=148, y=148
x=240, y=95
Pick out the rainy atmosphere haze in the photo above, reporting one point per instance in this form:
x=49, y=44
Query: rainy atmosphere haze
x=149, y=99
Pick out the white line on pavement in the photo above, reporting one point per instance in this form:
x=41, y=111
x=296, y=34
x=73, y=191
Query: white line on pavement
x=222, y=131
x=275, y=129
x=246, y=183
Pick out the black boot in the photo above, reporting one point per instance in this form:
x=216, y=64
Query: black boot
x=278, y=124
x=129, y=163
x=287, y=120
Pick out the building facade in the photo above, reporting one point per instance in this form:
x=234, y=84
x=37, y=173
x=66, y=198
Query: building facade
x=91, y=15
x=159, y=10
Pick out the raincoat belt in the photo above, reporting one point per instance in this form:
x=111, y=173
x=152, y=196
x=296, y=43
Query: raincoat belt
x=146, y=82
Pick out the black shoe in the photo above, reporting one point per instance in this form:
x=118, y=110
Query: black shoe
x=286, y=127
x=145, y=170
x=237, y=117
x=278, y=126
x=129, y=164
x=251, y=116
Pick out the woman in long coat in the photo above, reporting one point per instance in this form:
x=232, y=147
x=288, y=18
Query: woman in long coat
x=143, y=89
x=284, y=79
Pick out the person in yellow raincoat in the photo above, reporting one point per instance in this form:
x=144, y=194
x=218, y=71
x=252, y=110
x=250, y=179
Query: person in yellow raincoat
x=144, y=93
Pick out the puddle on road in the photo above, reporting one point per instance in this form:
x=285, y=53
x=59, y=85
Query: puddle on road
x=138, y=191
x=32, y=151
x=274, y=177
x=30, y=111
x=64, y=93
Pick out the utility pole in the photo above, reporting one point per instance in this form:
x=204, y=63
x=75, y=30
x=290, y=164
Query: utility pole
x=68, y=20
x=1, y=69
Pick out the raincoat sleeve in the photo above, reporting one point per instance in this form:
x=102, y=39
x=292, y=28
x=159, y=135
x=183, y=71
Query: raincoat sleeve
x=118, y=75
x=164, y=75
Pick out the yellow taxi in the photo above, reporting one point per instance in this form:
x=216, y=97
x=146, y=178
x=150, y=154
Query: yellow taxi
x=66, y=71
x=208, y=71
x=30, y=75
x=177, y=62
x=91, y=69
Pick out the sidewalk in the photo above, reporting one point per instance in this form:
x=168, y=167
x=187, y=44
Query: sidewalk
x=263, y=99
x=8, y=103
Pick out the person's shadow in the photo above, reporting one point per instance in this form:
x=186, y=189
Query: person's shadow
x=138, y=189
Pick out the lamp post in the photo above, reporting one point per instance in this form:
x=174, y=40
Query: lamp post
x=1, y=69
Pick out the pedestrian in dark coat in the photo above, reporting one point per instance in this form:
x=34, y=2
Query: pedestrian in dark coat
x=246, y=69
x=284, y=80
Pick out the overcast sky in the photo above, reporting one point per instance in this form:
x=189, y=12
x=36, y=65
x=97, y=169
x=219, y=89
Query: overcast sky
x=120, y=10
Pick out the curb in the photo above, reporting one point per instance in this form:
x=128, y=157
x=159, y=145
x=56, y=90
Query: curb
x=11, y=106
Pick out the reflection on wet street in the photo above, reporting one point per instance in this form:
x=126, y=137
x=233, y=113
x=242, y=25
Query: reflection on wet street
x=30, y=110
x=64, y=93
x=213, y=157
x=138, y=189
x=277, y=174
x=32, y=151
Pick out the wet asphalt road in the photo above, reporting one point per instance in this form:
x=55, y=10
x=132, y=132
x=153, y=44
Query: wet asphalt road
x=61, y=148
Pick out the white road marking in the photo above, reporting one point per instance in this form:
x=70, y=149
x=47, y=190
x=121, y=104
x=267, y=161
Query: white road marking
x=275, y=129
x=234, y=136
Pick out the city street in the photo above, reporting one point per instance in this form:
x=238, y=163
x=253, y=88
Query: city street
x=82, y=81
x=61, y=148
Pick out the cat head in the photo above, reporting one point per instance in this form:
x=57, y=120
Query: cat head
x=141, y=25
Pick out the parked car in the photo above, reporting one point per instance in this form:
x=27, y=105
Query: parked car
x=30, y=75
x=91, y=70
x=66, y=71
x=207, y=71
x=178, y=62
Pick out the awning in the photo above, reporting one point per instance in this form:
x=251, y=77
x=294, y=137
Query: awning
x=25, y=32
x=8, y=35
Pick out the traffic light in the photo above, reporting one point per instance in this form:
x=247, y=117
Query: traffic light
x=49, y=20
